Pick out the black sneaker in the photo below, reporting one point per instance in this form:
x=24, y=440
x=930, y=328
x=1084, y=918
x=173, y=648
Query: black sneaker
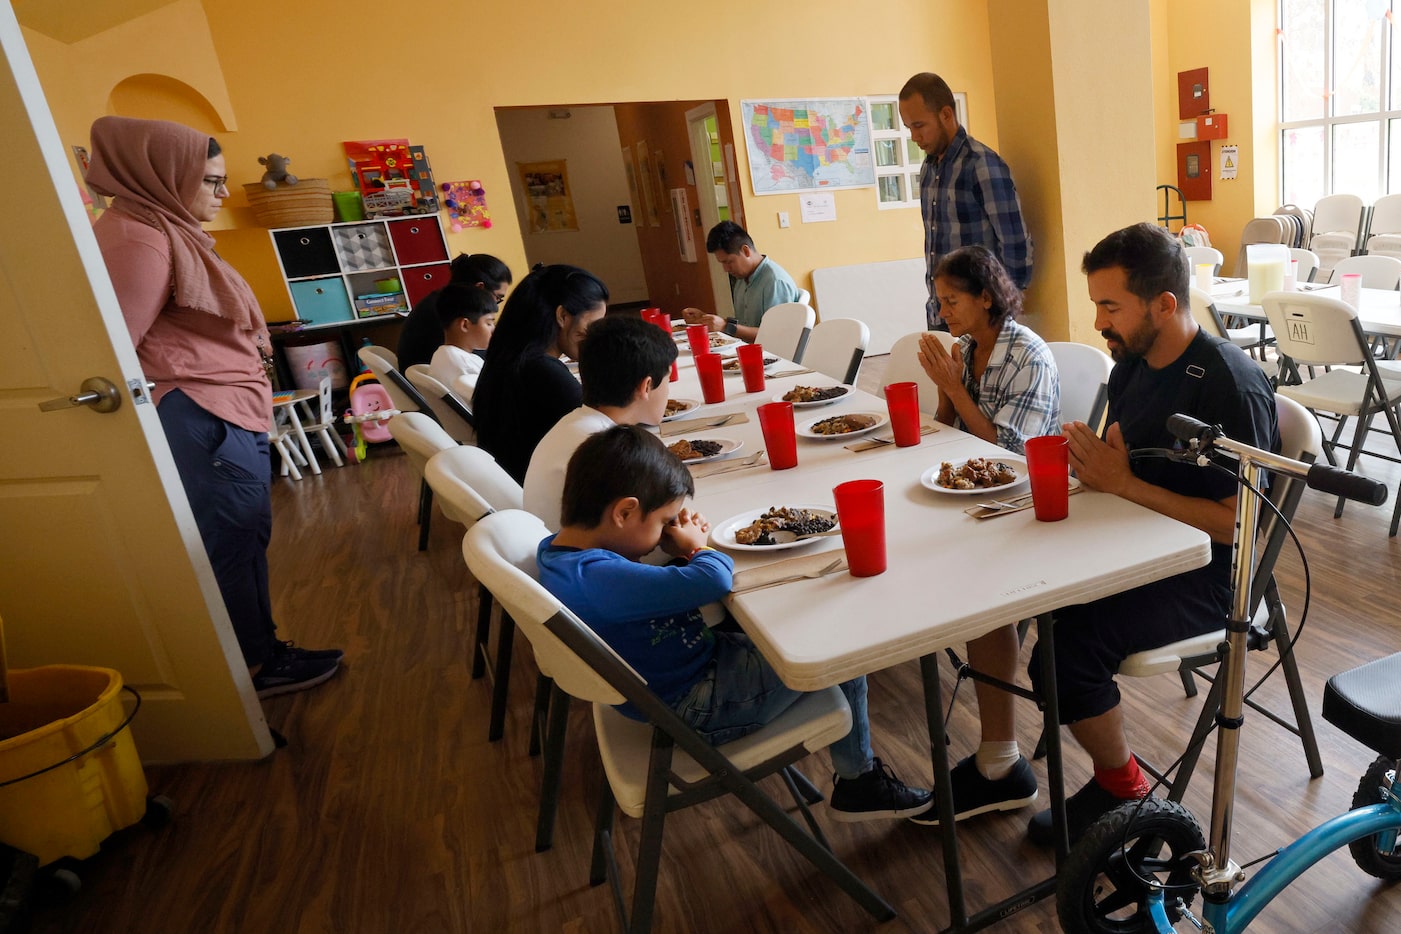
x=1082, y=809
x=973, y=794
x=288, y=647
x=876, y=795
x=288, y=671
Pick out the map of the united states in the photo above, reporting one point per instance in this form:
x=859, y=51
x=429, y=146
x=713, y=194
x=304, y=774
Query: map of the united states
x=796, y=145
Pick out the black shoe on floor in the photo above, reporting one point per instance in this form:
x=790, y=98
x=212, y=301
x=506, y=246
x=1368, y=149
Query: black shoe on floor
x=973, y=794
x=286, y=672
x=1082, y=809
x=876, y=795
x=288, y=647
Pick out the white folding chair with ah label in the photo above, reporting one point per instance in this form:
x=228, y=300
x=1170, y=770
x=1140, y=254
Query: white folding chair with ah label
x=648, y=776
x=1314, y=329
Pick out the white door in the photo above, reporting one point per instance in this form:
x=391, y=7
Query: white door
x=709, y=206
x=100, y=560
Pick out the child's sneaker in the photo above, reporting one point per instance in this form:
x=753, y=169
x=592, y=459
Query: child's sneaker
x=286, y=672
x=288, y=647
x=876, y=795
x=974, y=794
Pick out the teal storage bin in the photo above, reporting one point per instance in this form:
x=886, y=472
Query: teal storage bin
x=321, y=301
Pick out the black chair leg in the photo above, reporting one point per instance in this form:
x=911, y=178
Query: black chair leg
x=1189, y=684
x=558, y=703
x=538, y=725
x=425, y=514
x=1302, y=719
x=479, y=649
x=805, y=787
x=501, y=679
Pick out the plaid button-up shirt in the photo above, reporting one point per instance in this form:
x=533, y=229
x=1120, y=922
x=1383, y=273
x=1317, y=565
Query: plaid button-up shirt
x=968, y=198
x=1020, y=388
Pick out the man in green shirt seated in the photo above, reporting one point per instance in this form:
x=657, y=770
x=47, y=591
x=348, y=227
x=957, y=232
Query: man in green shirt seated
x=757, y=283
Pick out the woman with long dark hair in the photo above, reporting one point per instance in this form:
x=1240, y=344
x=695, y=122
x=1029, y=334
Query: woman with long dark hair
x=423, y=331
x=524, y=388
x=200, y=335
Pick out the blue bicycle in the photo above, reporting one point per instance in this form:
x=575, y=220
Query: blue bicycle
x=1139, y=868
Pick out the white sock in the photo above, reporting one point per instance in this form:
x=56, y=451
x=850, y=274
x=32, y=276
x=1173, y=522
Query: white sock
x=995, y=760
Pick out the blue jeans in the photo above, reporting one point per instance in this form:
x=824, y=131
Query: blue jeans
x=740, y=692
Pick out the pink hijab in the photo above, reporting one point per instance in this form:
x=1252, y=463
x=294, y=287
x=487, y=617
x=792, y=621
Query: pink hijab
x=152, y=169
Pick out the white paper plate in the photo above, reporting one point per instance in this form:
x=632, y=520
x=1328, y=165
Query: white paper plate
x=719, y=343
x=929, y=479
x=845, y=392
x=877, y=420
x=729, y=370
x=727, y=447
x=690, y=405
x=722, y=534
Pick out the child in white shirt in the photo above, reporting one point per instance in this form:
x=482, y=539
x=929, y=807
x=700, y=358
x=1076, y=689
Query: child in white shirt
x=468, y=316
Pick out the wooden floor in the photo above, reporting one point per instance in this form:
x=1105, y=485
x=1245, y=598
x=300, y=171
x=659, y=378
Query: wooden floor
x=390, y=812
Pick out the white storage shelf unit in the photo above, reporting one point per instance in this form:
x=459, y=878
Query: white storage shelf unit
x=327, y=267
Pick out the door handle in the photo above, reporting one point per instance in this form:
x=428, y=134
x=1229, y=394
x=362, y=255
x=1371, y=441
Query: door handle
x=99, y=394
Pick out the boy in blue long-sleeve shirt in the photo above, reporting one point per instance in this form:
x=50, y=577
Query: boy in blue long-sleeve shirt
x=624, y=494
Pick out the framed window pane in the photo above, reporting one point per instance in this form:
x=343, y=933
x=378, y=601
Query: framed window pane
x=1356, y=152
x=914, y=186
x=1393, y=175
x=883, y=116
x=913, y=154
x=890, y=188
x=887, y=151
x=1301, y=59
x=1357, y=56
x=1302, y=149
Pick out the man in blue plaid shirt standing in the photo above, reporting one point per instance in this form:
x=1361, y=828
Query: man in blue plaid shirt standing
x=966, y=193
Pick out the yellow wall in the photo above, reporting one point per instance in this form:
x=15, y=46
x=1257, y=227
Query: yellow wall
x=297, y=84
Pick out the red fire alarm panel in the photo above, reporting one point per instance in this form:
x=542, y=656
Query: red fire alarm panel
x=1211, y=126
x=1194, y=170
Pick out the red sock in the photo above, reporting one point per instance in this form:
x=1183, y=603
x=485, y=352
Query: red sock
x=1127, y=781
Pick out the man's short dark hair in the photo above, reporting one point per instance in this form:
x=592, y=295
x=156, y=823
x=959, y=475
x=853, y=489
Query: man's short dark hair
x=617, y=353
x=1152, y=259
x=728, y=236
x=464, y=301
x=932, y=89
x=625, y=460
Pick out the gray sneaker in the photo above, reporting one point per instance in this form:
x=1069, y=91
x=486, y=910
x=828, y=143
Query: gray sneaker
x=287, y=672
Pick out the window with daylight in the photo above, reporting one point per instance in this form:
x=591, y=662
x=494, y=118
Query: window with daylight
x=1340, y=100
x=897, y=158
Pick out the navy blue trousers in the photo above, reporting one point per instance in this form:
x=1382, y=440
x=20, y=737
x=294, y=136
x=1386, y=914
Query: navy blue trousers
x=227, y=475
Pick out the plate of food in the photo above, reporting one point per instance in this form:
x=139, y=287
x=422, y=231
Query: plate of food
x=675, y=408
x=976, y=476
x=811, y=397
x=699, y=450
x=731, y=365
x=842, y=426
x=764, y=529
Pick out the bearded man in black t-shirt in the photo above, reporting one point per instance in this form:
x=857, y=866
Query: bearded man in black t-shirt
x=1164, y=364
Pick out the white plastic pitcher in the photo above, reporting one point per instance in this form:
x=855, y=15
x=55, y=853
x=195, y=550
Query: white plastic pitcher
x=1266, y=262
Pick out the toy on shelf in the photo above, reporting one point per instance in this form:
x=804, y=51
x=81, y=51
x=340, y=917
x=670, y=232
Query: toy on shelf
x=276, y=171
x=394, y=178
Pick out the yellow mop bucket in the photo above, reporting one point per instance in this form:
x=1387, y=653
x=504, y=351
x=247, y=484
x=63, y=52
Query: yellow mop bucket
x=69, y=772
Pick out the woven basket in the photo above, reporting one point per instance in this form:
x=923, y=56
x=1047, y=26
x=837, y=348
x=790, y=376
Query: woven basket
x=307, y=202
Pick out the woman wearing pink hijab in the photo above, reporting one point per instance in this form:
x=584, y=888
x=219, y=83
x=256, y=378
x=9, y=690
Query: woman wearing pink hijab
x=200, y=336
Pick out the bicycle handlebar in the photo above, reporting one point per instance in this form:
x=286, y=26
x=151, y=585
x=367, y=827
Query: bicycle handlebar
x=1202, y=437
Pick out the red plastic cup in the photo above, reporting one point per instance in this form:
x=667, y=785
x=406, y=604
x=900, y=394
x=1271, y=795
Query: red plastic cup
x=780, y=436
x=658, y=317
x=1048, y=465
x=902, y=399
x=861, y=512
x=699, y=337
x=710, y=369
x=675, y=373
x=751, y=366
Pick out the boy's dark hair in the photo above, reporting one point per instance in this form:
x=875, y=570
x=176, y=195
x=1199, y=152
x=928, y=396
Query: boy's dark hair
x=480, y=269
x=973, y=269
x=617, y=352
x=932, y=89
x=1152, y=259
x=728, y=236
x=625, y=460
x=464, y=301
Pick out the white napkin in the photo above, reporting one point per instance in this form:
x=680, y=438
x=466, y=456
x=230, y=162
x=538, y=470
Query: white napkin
x=767, y=575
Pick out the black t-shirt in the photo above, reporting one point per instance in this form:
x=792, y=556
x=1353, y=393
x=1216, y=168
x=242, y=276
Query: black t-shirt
x=516, y=406
x=1212, y=381
x=421, y=334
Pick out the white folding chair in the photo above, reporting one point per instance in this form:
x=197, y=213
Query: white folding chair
x=1301, y=439
x=837, y=347
x=1308, y=263
x=648, y=776
x=421, y=438
x=1252, y=336
x=1384, y=231
x=804, y=297
x=1377, y=271
x=406, y=397
x=1196, y=255
x=1084, y=381
x=1337, y=227
x=452, y=413
x=902, y=366
x=1316, y=330
x=784, y=330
